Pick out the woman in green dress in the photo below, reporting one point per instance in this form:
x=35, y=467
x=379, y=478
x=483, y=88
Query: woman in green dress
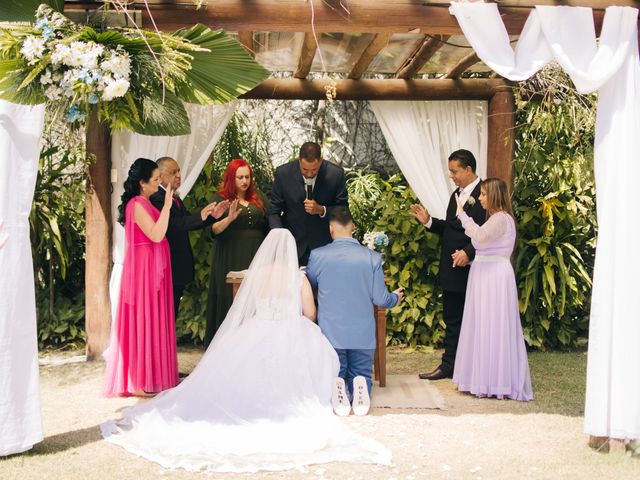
x=237, y=236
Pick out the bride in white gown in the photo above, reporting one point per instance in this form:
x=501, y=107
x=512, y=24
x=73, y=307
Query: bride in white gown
x=260, y=398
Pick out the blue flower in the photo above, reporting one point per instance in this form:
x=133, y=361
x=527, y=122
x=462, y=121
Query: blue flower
x=93, y=99
x=43, y=22
x=47, y=32
x=75, y=114
x=381, y=240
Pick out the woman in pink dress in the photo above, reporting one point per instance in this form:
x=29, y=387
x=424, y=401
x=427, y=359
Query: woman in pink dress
x=491, y=359
x=142, y=354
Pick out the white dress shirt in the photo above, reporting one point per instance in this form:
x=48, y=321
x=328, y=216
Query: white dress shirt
x=463, y=194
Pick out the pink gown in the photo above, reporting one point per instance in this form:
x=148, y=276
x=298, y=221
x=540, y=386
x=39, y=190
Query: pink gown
x=491, y=359
x=142, y=353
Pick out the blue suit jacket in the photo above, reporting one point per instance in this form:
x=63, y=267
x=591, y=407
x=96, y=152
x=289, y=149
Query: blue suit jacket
x=350, y=281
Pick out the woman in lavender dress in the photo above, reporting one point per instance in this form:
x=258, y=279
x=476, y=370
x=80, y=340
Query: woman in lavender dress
x=492, y=359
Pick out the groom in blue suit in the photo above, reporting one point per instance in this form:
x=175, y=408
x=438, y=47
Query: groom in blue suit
x=349, y=280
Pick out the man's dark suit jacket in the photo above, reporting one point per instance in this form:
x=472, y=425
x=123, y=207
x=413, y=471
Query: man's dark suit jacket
x=287, y=204
x=453, y=238
x=181, y=222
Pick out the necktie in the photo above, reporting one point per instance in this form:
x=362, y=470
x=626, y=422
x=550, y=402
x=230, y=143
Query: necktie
x=177, y=201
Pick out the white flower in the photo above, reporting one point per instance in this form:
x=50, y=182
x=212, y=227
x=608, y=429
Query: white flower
x=116, y=88
x=53, y=92
x=59, y=54
x=45, y=78
x=119, y=65
x=82, y=55
x=471, y=201
x=32, y=48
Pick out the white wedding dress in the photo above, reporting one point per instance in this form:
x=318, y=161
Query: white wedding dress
x=260, y=397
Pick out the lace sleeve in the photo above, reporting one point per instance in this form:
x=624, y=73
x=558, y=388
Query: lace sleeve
x=493, y=228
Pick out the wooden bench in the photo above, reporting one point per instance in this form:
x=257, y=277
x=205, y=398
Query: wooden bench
x=380, y=315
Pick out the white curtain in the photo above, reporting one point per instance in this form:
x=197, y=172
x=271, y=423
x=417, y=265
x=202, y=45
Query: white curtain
x=612, y=68
x=422, y=134
x=190, y=151
x=20, y=421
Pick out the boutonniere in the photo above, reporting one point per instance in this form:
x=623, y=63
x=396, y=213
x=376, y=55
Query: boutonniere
x=471, y=201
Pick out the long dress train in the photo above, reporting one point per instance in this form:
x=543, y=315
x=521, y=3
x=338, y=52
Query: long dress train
x=260, y=397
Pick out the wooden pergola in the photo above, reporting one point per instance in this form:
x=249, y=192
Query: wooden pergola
x=377, y=50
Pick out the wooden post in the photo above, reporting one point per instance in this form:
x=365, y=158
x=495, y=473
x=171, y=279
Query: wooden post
x=99, y=228
x=501, y=126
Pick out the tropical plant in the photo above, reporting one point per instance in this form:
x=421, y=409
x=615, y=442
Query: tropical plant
x=134, y=79
x=237, y=142
x=554, y=204
x=57, y=241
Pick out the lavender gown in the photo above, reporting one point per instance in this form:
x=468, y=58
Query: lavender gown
x=492, y=359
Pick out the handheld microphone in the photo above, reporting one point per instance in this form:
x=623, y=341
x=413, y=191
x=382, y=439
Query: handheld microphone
x=309, y=191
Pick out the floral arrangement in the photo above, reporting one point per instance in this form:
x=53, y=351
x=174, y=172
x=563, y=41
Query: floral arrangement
x=133, y=79
x=376, y=240
x=471, y=201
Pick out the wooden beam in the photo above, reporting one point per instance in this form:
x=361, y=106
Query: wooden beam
x=309, y=47
x=378, y=42
x=365, y=16
x=392, y=89
x=421, y=56
x=246, y=39
x=462, y=66
x=501, y=125
x=99, y=228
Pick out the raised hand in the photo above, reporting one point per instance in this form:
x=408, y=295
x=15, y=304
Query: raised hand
x=218, y=209
x=168, y=197
x=234, y=211
x=421, y=213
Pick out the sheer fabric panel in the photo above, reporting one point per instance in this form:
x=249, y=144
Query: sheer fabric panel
x=422, y=134
x=611, y=67
x=20, y=133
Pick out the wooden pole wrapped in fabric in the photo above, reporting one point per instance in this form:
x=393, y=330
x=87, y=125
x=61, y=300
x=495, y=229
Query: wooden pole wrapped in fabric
x=501, y=124
x=99, y=229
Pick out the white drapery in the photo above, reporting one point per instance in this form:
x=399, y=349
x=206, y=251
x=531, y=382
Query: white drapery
x=612, y=68
x=190, y=151
x=422, y=134
x=20, y=420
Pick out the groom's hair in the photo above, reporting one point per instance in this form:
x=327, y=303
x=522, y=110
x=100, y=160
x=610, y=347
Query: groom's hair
x=310, y=151
x=465, y=158
x=341, y=215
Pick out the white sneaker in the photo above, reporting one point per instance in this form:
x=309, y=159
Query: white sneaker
x=339, y=399
x=361, y=400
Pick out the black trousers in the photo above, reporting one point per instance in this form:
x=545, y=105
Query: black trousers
x=177, y=295
x=452, y=310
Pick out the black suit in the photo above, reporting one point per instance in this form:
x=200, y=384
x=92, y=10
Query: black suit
x=454, y=280
x=287, y=204
x=181, y=222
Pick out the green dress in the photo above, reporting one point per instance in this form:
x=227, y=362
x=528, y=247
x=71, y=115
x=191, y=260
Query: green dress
x=233, y=250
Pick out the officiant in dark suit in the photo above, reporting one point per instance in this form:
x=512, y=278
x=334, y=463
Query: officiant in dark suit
x=304, y=192
x=456, y=252
x=181, y=222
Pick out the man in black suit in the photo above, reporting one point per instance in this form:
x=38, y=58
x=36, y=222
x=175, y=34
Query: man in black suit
x=303, y=193
x=181, y=222
x=456, y=253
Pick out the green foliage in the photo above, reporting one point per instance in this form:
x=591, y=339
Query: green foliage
x=57, y=225
x=411, y=260
x=554, y=204
x=22, y=10
x=236, y=142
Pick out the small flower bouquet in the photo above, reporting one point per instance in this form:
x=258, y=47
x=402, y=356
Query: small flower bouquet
x=376, y=241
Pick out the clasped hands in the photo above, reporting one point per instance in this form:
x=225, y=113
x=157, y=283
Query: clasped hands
x=313, y=208
x=459, y=257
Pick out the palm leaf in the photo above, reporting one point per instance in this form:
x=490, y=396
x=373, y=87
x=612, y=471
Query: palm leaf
x=24, y=10
x=220, y=74
x=168, y=118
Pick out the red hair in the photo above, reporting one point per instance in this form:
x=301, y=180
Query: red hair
x=227, y=188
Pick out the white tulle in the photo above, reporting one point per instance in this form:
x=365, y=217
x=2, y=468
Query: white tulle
x=260, y=397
